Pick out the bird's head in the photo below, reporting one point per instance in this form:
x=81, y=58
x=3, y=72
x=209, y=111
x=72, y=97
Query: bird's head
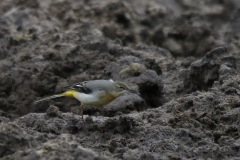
x=120, y=88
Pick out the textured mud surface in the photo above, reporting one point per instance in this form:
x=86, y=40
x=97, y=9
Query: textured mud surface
x=181, y=57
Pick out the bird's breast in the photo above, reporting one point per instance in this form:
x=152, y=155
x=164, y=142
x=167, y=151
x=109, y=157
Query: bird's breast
x=98, y=98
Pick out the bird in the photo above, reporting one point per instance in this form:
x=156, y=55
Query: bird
x=94, y=93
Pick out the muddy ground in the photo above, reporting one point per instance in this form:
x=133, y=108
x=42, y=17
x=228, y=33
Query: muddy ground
x=181, y=57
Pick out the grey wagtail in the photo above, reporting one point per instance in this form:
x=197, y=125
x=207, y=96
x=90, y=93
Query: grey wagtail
x=94, y=93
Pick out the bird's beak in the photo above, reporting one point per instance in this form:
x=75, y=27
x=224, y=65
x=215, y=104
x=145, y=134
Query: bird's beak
x=131, y=90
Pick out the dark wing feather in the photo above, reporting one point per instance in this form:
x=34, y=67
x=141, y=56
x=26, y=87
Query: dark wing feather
x=80, y=87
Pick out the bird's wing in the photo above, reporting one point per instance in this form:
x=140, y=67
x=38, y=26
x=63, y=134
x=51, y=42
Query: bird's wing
x=80, y=87
x=92, y=86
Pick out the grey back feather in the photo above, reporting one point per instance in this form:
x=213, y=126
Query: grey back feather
x=94, y=85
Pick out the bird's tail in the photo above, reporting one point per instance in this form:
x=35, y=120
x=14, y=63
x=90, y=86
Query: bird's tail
x=51, y=97
x=69, y=93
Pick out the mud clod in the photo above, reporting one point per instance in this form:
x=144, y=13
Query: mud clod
x=181, y=58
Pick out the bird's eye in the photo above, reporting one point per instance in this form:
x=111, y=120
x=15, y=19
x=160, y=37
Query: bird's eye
x=122, y=88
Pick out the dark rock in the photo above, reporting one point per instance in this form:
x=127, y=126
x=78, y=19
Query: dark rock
x=150, y=87
x=201, y=76
x=152, y=65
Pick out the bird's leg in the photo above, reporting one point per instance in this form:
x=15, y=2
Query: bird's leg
x=81, y=110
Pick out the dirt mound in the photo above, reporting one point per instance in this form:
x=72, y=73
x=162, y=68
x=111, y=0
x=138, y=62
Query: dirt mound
x=181, y=57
